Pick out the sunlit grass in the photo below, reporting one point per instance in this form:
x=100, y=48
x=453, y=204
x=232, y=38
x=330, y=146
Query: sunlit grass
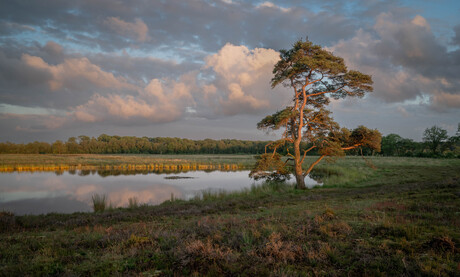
x=166, y=163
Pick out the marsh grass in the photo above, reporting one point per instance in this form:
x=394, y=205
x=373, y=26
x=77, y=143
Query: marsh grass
x=100, y=203
x=133, y=203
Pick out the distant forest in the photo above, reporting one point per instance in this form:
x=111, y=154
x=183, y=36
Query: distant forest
x=392, y=145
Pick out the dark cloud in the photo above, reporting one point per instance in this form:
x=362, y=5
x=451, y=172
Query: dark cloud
x=406, y=61
x=456, y=38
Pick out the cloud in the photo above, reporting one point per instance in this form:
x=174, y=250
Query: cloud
x=160, y=101
x=402, y=111
x=32, y=123
x=175, y=24
x=242, y=80
x=232, y=81
x=95, y=59
x=456, y=38
x=75, y=73
x=443, y=100
x=405, y=60
x=270, y=5
x=235, y=80
x=137, y=30
x=11, y=28
x=153, y=195
x=54, y=77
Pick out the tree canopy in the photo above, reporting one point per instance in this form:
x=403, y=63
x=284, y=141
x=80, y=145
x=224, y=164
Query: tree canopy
x=315, y=76
x=434, y=136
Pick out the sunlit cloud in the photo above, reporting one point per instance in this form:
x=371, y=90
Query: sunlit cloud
x=74, y=73
x=270, y=5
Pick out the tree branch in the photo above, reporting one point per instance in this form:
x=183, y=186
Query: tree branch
x=313, y=165
x=324, y=92
x=305, y=153
x=352, y=147
x=287, y=160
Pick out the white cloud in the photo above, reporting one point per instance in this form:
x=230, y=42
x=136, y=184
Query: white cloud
x=242, y=80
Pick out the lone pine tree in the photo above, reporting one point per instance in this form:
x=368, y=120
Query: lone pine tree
x=315, y=76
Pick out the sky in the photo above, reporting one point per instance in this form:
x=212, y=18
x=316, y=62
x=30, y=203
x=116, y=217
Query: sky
x=201, y=69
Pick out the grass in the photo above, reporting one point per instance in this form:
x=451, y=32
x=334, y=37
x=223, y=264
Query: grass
x=99, y=202
x=401, y=219
x=133, y=203
x=123, y=163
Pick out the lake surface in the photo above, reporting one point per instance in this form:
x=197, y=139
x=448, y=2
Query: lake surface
x=71, y=191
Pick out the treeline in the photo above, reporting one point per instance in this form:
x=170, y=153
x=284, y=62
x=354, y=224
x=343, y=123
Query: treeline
x=105, y=144
x=435, y=143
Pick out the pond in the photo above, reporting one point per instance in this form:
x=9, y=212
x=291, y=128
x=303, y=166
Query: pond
x=41, y=192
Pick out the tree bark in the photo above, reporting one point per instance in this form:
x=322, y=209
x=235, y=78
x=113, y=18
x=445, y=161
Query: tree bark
x=300, y=179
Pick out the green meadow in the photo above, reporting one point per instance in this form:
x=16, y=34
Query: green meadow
x=381, y=216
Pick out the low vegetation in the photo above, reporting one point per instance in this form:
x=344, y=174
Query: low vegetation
x=401, y=219
x=99, y=202
x=123, y=163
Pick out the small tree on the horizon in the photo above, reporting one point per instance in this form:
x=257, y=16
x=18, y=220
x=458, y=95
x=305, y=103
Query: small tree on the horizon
x=315, y=75
x=434, y=136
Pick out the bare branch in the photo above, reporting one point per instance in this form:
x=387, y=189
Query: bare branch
x=313, y=165
x=352, y=147
x=305, y=153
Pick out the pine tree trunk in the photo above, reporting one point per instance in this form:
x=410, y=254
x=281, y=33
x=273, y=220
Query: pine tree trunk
x=299, y=177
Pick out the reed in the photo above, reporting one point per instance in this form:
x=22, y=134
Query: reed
x=133, y=203
x=99, y=202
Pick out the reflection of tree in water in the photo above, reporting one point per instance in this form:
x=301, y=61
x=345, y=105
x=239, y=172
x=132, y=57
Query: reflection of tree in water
x=117, y=172
x=127, y=169
x=84, y=172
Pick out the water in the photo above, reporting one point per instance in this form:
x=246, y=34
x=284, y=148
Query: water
x=68, y=192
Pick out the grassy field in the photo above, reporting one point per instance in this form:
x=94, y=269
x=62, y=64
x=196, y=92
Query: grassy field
x=400, y=219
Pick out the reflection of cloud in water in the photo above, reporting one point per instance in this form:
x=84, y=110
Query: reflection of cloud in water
x=154, y=195
x=45, y=205
x=83, y=191
x=54, y=184
x=16, y=190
